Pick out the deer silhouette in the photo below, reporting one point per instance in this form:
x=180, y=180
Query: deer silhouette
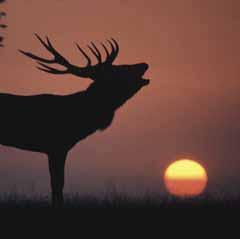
x=53, y=124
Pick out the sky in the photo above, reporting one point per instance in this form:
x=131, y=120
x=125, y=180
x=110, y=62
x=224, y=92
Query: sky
x=190, y=108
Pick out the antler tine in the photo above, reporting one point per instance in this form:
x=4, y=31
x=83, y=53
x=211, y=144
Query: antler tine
x=98, y=52
x=37, y=58
x=106, y=50
x=49, y=69
x=28, y=54
x=114, y=53
x=95, y=52
x=84, y=53
x=43, y=42
x=51, y=49
x=58, y=57
x=117, y=46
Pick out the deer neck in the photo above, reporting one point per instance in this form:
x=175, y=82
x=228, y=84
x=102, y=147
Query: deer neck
x=106, y=97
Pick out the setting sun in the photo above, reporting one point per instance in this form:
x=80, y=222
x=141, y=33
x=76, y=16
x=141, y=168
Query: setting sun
x=185, y=177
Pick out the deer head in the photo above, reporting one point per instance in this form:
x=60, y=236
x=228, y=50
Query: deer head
x=104, y=74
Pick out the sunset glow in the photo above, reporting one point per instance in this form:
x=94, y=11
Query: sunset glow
x=185, y=178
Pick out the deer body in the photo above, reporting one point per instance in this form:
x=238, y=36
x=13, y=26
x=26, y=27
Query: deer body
x=49, y=122
x=53, y=124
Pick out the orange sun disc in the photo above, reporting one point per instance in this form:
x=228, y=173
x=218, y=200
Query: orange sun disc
x=185, y=177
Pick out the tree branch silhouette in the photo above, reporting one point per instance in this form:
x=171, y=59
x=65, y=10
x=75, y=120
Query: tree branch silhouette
x=2, y=14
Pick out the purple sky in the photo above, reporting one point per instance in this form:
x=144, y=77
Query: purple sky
x=191, y=106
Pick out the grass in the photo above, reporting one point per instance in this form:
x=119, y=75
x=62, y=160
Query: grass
x=118, y=201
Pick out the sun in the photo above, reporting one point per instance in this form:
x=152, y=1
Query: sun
x=185, y=177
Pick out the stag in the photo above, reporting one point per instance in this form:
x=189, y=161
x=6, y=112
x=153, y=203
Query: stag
x=53, y=124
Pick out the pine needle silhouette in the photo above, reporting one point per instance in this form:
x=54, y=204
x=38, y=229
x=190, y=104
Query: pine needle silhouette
x=2, y=14
x=53, y=124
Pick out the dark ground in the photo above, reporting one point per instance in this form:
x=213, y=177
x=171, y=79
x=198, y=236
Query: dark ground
x=120, y=201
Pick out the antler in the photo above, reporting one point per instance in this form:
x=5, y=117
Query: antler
x=88, y=71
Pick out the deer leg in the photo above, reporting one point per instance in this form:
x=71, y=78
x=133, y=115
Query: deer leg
x=56, y=162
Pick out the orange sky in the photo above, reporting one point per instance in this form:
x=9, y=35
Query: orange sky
x=191, y=105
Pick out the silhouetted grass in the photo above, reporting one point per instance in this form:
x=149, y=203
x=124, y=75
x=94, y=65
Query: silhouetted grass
x=118, y=201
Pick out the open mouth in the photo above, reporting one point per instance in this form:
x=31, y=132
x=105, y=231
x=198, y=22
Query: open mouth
x=141, y=72
x=145, y=81
x=144, y=68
